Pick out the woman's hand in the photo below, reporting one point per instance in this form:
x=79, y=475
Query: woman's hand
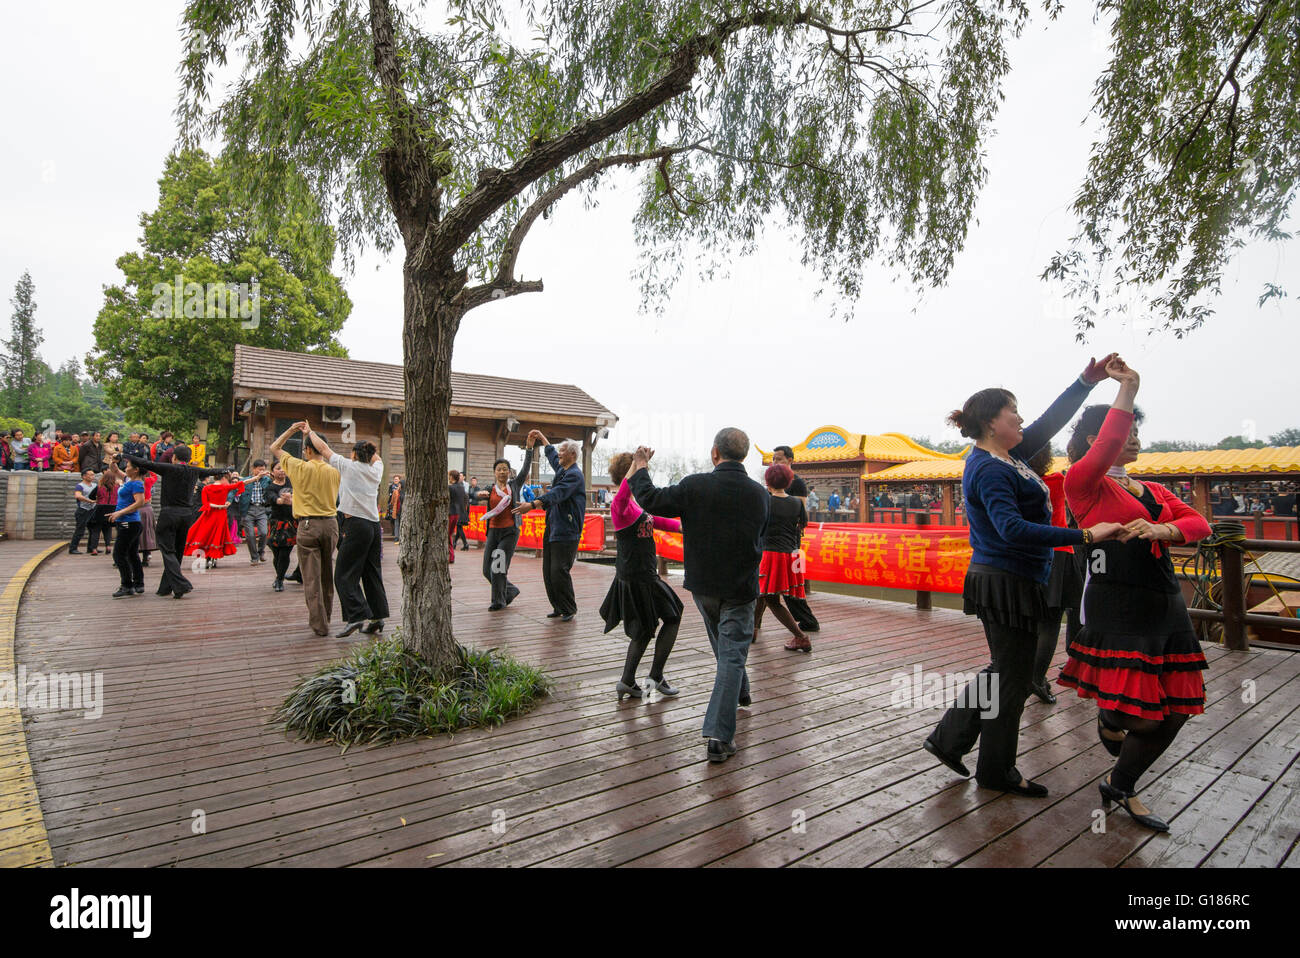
x=523, y=507
x=1123, y=373
x=1106, y=530
x=1144, y=529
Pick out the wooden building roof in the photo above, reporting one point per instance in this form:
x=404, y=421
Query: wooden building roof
x=331, y=380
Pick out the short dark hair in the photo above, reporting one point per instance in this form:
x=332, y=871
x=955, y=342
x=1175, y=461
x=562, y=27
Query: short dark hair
x=498, y=462
x=1089, y=424
x=732, y=444
x=973, y=419
x=181, y=453
x=365, y=450
x=259, y=462
x=785, y=451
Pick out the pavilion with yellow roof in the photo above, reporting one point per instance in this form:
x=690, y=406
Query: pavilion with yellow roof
x=833, y=457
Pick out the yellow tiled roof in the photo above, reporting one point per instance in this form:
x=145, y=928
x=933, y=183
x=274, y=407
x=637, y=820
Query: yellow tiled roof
x=1282, y=460
x=834, y=444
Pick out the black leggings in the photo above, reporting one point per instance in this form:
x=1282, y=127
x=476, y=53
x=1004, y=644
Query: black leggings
x=663, y=646
x=280, y=556
x=126, y=555
x=1145, y=742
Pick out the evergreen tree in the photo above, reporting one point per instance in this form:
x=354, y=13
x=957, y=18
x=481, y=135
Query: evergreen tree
x=22, y=367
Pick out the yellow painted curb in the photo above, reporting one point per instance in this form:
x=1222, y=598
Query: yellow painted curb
x=23, y=840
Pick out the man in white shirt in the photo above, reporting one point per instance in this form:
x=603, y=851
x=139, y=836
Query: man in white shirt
x=358, y=570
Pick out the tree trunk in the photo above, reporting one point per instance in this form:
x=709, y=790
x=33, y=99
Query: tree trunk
x=430, y=322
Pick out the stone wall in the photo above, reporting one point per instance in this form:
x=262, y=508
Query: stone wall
x=37, y=505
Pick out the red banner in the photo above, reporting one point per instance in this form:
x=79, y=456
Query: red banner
x=929, y=558
x=532, y=526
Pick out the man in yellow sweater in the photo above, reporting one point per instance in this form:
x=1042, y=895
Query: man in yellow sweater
x=315, y=506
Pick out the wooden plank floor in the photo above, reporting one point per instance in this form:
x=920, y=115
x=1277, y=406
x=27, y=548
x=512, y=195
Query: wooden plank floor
x=827, y=772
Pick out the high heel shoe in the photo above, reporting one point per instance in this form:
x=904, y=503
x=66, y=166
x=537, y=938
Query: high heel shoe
x=1109, y=793
x=623, y=689
x=1112, y=745
x=661, y=686
x=1043, y=692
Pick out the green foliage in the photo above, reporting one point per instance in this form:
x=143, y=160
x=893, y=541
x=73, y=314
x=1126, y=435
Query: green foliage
x=21, y=366
x=861, y=126
x=1239, y=442
x=398, y=695
x=949, y=446
x=169, y=368
x=1199, y=153
x=10, y=423
x=1287, y=437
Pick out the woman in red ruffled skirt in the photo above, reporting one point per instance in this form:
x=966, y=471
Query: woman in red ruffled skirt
x=781, y=569
x=1136, y=652
x=209, y=537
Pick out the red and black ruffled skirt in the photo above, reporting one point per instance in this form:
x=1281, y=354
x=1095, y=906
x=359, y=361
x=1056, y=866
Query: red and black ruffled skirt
x=1147, y=664
x=780, y=573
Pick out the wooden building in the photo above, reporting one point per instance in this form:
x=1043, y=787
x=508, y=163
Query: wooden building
x=273, y=389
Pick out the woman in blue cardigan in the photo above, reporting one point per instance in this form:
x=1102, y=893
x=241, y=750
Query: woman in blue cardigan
x=1012, y=537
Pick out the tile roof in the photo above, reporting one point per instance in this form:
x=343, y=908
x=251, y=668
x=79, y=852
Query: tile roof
x=1283, y=460
x=833, y=444
x=274, y=369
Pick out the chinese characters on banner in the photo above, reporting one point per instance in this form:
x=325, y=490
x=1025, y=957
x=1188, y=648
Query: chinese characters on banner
x=532, y=526
x=928, y=558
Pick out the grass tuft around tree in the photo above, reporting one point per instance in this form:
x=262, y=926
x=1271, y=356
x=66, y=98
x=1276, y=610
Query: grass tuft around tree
x=382, y=692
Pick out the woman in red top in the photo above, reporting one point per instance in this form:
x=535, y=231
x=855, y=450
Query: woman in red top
x=1137, y=654
x=210, y=536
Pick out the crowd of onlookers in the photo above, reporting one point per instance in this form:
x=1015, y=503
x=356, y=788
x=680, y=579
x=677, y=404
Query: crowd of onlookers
x=78, y=452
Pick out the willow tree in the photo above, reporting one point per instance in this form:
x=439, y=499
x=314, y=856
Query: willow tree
x=857, y=126
x=1199, y=154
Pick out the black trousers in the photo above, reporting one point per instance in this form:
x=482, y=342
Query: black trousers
x=498, y=550
x=802, y=614
x=100, y=525
x=82, y=518
x=359, y=570
x=126, y=555
x=170, y=532
x=280, y=556
x=460, y=534
x=557, y=564
x=1005, y=681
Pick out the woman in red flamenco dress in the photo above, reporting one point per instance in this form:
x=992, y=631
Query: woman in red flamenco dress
x=210, y=537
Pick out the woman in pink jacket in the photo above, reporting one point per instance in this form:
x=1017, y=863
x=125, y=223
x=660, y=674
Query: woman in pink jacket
x=638, y=597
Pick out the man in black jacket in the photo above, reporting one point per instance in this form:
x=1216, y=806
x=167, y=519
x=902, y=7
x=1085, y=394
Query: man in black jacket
x=724, y=517
x=175, y=515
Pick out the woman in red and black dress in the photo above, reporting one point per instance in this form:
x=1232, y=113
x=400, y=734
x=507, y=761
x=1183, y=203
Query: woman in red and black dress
x=209, y=537
x=1137, y=654
x=780, y=572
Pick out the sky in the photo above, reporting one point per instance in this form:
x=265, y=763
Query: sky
x=87, y=132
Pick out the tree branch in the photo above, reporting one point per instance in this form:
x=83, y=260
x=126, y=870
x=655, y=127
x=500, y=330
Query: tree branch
x=504, y=283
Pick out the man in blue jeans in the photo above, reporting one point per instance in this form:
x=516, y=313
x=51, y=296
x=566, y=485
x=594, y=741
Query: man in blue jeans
x=724, y=516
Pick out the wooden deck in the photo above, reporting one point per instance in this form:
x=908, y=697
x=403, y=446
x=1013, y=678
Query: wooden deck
x=827, y=773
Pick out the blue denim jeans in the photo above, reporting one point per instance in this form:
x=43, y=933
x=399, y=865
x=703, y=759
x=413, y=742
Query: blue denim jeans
x=730, y=626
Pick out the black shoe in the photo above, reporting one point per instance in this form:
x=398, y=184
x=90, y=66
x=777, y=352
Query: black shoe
x=1112, y=745
x=553, y=614
x=74, y=552
x=720, y=751
x=496, y=607
x=138, y=590
x=296, y=577
x=163, y=593
x=622, y=688
x=745, y=700
x=1109, y=793
x=373, y=627
x=567, y=617
x=809, y=628
x=661, y=686
x=952, y=763
x=512, y=594
x=1024, y=787
x=278, y=586
x=349, y=629
x=253, y=561
x=1043, y=692
x=123, y=592
x=179, y=595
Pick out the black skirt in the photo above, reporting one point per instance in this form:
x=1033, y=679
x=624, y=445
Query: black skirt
x=639, y=602
x=1065, y=583
x=996, y=595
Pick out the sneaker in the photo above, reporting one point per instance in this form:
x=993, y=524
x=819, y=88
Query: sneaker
x=138, y=590
x=567, y=617
x=74, y=552
x=553, y=614
x=720, y=751
x=278, y=586
x=123, y=592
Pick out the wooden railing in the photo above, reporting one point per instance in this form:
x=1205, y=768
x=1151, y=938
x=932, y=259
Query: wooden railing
x=1233, y=617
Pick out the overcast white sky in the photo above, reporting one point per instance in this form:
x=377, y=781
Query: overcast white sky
x=89, y=90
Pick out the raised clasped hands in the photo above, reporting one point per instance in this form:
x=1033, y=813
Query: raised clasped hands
x=642, y=456
x=1096, y=369
x=1122, y=372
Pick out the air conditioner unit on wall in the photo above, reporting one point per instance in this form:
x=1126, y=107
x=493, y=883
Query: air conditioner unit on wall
x=336, y=413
